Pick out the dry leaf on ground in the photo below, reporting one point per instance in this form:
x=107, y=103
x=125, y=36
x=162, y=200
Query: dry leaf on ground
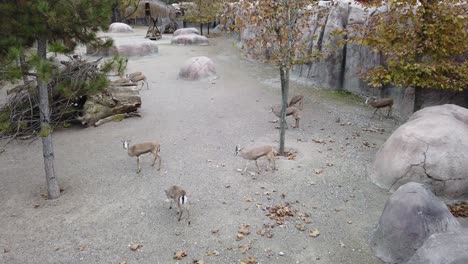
x=250, y=260
x=280, y=213
x=239, y=236
x=300, y=227
x=459, y=210
x=244, y=229
x=265, y=233
x=249, y=200
x=198, y=262
x=245, y=248
x=123, y=261
x=318, y=171
x=212, y=253
x=135, y=246
x=82, y=247
x=314, y=233
x=180, y=254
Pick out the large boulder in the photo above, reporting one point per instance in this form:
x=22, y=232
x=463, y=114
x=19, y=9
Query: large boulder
x=197, y=68
x=443, y=248
x=190, y=39
x=432, y=148
x=125, y=46
x=120, y=28
x=410, y=216
x=186, y=31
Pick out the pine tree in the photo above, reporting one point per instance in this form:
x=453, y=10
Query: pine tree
x=54, y=26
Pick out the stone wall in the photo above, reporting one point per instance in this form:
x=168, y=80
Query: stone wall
x=342, y=68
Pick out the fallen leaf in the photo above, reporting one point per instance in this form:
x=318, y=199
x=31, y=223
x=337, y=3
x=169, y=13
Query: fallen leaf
x=280, y=213
x=180, y=254
x=212, y=253
x=350, y=222
x=300, y=227
x=215, y=231
x=249, y=200
x=82, y=247
x=342, y=244
x=318, y=171
x=244, y=229
x=239, y=236
x=250, y=260
x=239, y=170
x=244, y=248
x=135, y=246
x=314, y=233
x=36, y=206
x=199, y=262
x=320, y=141
x=123, y=261
x=459, y=210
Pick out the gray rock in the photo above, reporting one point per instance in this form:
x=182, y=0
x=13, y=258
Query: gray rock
x=443, y=248
x=432, y=148
x=190, y=39
x=197, y=68
x=186, y=31
x=410, y=216
x=124, y=46
x=120, y=28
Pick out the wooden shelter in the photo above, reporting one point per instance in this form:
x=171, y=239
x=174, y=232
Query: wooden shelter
x=148, y=9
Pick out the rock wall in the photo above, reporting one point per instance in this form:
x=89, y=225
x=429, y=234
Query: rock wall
x=342, y=68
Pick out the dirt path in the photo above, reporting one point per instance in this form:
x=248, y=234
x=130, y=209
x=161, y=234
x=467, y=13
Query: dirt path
x=105, y=206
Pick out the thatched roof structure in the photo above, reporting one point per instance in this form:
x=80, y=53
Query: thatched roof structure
x=150, y=8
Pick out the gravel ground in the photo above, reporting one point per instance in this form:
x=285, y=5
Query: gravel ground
x=105, y=205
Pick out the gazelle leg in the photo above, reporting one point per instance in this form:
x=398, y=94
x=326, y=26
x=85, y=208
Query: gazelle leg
x=258, y=168
x=188, y=215
x=138, y=164
x=181, y=212
x=246, y=165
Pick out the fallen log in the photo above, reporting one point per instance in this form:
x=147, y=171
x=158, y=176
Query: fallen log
x=117, y=117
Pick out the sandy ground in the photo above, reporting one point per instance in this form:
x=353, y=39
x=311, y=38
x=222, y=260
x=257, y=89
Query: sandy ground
x=106, y=206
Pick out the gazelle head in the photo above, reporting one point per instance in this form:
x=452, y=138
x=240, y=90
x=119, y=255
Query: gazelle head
x=126, y=143
x=369, y=99
x=238, y=149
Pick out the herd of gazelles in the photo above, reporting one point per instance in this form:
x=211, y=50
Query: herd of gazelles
x=176, y=194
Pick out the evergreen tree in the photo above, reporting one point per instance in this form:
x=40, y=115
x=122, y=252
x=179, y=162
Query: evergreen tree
x=55, y=26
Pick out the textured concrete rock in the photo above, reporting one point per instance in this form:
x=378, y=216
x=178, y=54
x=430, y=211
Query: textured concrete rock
x=186, y=31
x=410, y=216
x=197, y=68
x=190, y=39
x=120, y=28
x=128, y=46
x=432, y=148
x=443, y=248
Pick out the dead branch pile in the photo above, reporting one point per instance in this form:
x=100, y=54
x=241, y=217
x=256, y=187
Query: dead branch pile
x=72, y=82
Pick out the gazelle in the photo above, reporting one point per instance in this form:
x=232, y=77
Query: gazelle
x=380, y=103
x=292, y=110
x=256, y=153
x=297, y=100
x=143, y=148
x=136, y=77
x=179, y=196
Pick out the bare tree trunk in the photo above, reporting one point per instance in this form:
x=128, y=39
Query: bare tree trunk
x=284, y=74
x=53, y=189
x=201, y=29
x=23, y=68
